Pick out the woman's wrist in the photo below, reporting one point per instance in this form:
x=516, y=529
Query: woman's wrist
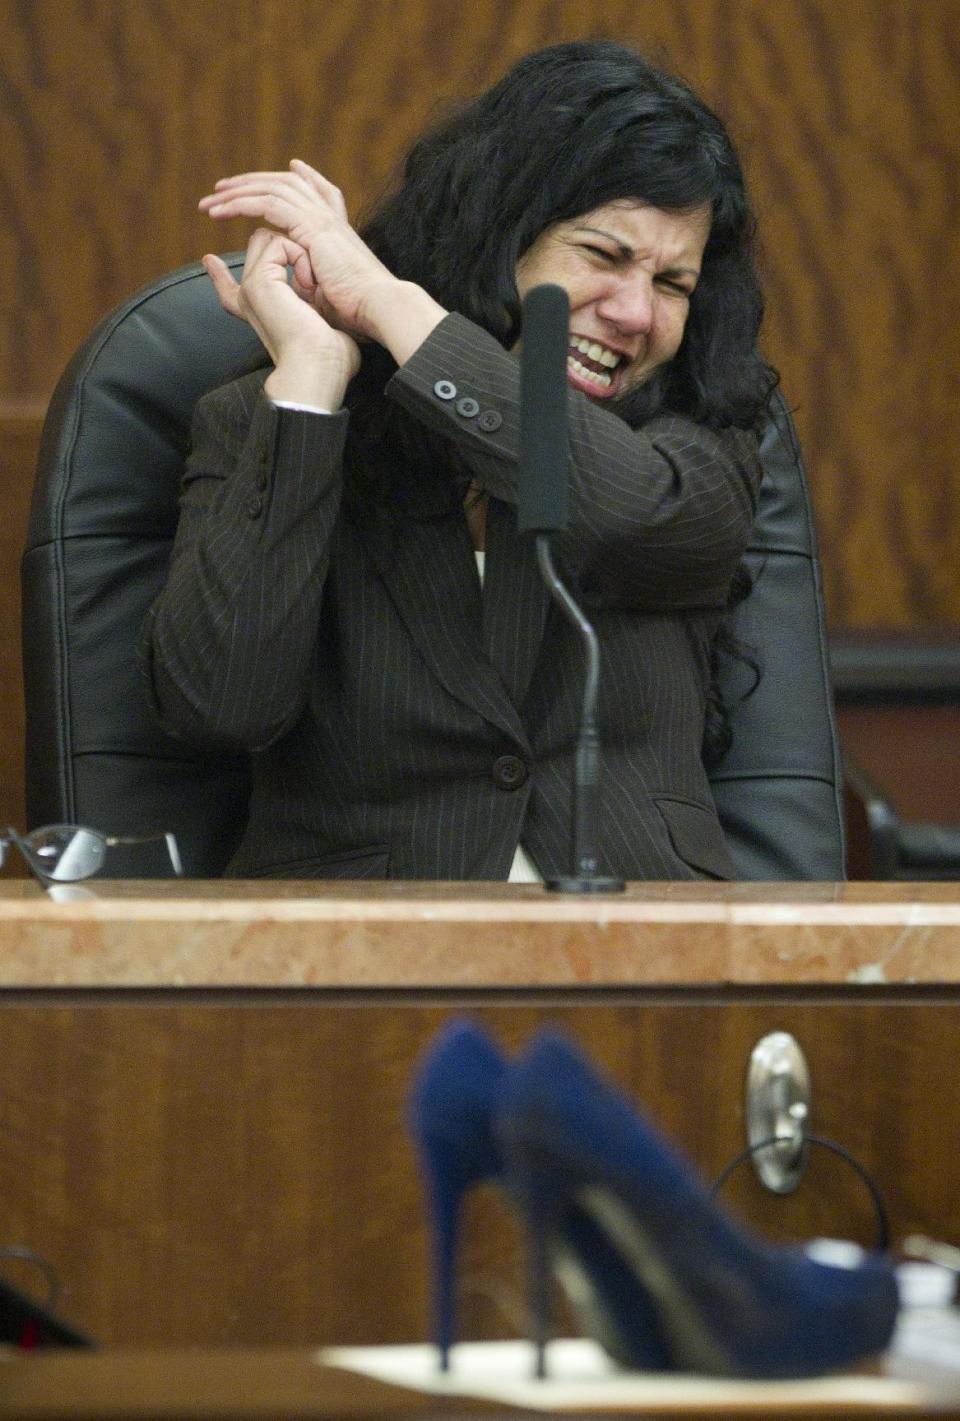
x=308, y=381
x=400, y=315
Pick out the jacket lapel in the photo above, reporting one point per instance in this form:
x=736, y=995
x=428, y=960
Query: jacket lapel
x=430, y=572
x=515, y=601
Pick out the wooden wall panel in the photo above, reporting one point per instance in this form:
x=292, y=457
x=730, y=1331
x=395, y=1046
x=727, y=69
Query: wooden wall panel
x=116, y=116
x=211, y=1173
x=20, y=423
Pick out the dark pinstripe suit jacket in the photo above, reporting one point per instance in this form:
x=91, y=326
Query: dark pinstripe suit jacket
x=405, y=723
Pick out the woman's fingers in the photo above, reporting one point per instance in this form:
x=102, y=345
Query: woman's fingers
x=259, y=176
x=224, y=283
x=302, y=187
x=327, y=190
x=338, y=271
x=313, y=360
x=304, y=281
x=296, y=210
x=267, y=257
x=251, y=203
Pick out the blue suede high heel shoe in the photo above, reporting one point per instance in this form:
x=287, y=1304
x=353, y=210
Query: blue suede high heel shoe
x=457, y=1094
x=456, y=1091
x=729, y=1304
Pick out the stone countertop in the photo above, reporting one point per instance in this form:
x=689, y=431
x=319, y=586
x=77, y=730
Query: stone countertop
x=469, y=936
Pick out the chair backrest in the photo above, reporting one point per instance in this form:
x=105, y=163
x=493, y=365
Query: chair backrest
x=779, y=789
x=105, y=512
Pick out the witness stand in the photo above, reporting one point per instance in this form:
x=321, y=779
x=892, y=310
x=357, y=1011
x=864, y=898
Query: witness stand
x=203, y=1085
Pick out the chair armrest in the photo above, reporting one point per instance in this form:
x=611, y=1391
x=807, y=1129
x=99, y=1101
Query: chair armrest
x=873, y=826
x=881, y=845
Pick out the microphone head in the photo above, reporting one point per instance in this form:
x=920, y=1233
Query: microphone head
x=544, y=442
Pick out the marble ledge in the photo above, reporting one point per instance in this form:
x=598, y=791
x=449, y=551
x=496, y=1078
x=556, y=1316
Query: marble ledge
x=399, y=936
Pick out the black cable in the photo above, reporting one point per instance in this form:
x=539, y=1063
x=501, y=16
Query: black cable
x=27, y=1255
x=880, y=1208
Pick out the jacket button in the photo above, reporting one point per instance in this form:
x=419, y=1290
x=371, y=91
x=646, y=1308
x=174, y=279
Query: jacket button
x=489, y=421
x=253, y=507
x=509, y=772
x=445, y=390
x=262, y=482
x=467, y=407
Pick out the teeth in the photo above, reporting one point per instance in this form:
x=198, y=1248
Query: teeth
x=596, y=351
x=602, y=380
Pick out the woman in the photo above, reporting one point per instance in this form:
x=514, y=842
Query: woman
x=412, y=707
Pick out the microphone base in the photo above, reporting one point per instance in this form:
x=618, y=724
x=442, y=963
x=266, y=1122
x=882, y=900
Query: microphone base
x=585, y=885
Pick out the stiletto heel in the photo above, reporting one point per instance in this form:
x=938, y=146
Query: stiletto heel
x=539, y=1266
x=451, y=1109
x=446, y=1195
x=540, y=1214
x=727, y=1304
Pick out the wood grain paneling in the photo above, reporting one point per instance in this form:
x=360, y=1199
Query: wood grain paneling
x=220, y=1174
x=20, y=423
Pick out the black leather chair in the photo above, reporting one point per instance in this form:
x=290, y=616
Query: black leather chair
x=916, y=673
x=104, y=514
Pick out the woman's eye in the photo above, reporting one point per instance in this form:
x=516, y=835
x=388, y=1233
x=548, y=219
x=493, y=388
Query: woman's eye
x=599, y=252
x=676, y=288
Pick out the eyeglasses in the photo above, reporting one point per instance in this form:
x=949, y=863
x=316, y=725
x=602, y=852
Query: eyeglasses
x=68, y=853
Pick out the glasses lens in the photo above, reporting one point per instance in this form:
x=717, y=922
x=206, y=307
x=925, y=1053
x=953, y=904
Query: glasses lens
x=67, y=854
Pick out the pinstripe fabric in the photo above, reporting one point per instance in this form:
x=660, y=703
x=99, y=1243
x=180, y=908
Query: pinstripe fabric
x=378, y=689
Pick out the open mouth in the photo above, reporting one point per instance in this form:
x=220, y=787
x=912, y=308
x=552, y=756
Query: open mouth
x=595, y=366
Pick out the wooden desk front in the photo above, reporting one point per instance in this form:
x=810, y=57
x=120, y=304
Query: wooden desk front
x=202, y=1086
x=285, y=1384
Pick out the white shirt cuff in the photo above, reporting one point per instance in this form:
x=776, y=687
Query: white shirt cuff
x=303, y=409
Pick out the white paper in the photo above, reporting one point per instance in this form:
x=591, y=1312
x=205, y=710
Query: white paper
x=581, y=1377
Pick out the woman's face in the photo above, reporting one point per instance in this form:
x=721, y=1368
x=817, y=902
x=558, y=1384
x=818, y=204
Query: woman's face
x=629, y=270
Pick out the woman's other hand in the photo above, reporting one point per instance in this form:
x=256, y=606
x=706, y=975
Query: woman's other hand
x=314, y=362
x=335, y=269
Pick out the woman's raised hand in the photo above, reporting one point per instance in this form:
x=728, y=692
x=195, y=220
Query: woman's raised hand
x=336, y=268
x=333, y=269
x=314, y=362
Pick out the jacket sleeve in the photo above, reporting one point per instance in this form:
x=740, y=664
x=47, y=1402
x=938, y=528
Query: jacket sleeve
x=659, y=516
x=226, y=648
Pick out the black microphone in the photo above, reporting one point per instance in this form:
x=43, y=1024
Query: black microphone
x=544, y=443
x=541, y=510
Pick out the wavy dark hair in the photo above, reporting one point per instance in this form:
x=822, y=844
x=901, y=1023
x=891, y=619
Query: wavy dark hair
x=568, y=129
